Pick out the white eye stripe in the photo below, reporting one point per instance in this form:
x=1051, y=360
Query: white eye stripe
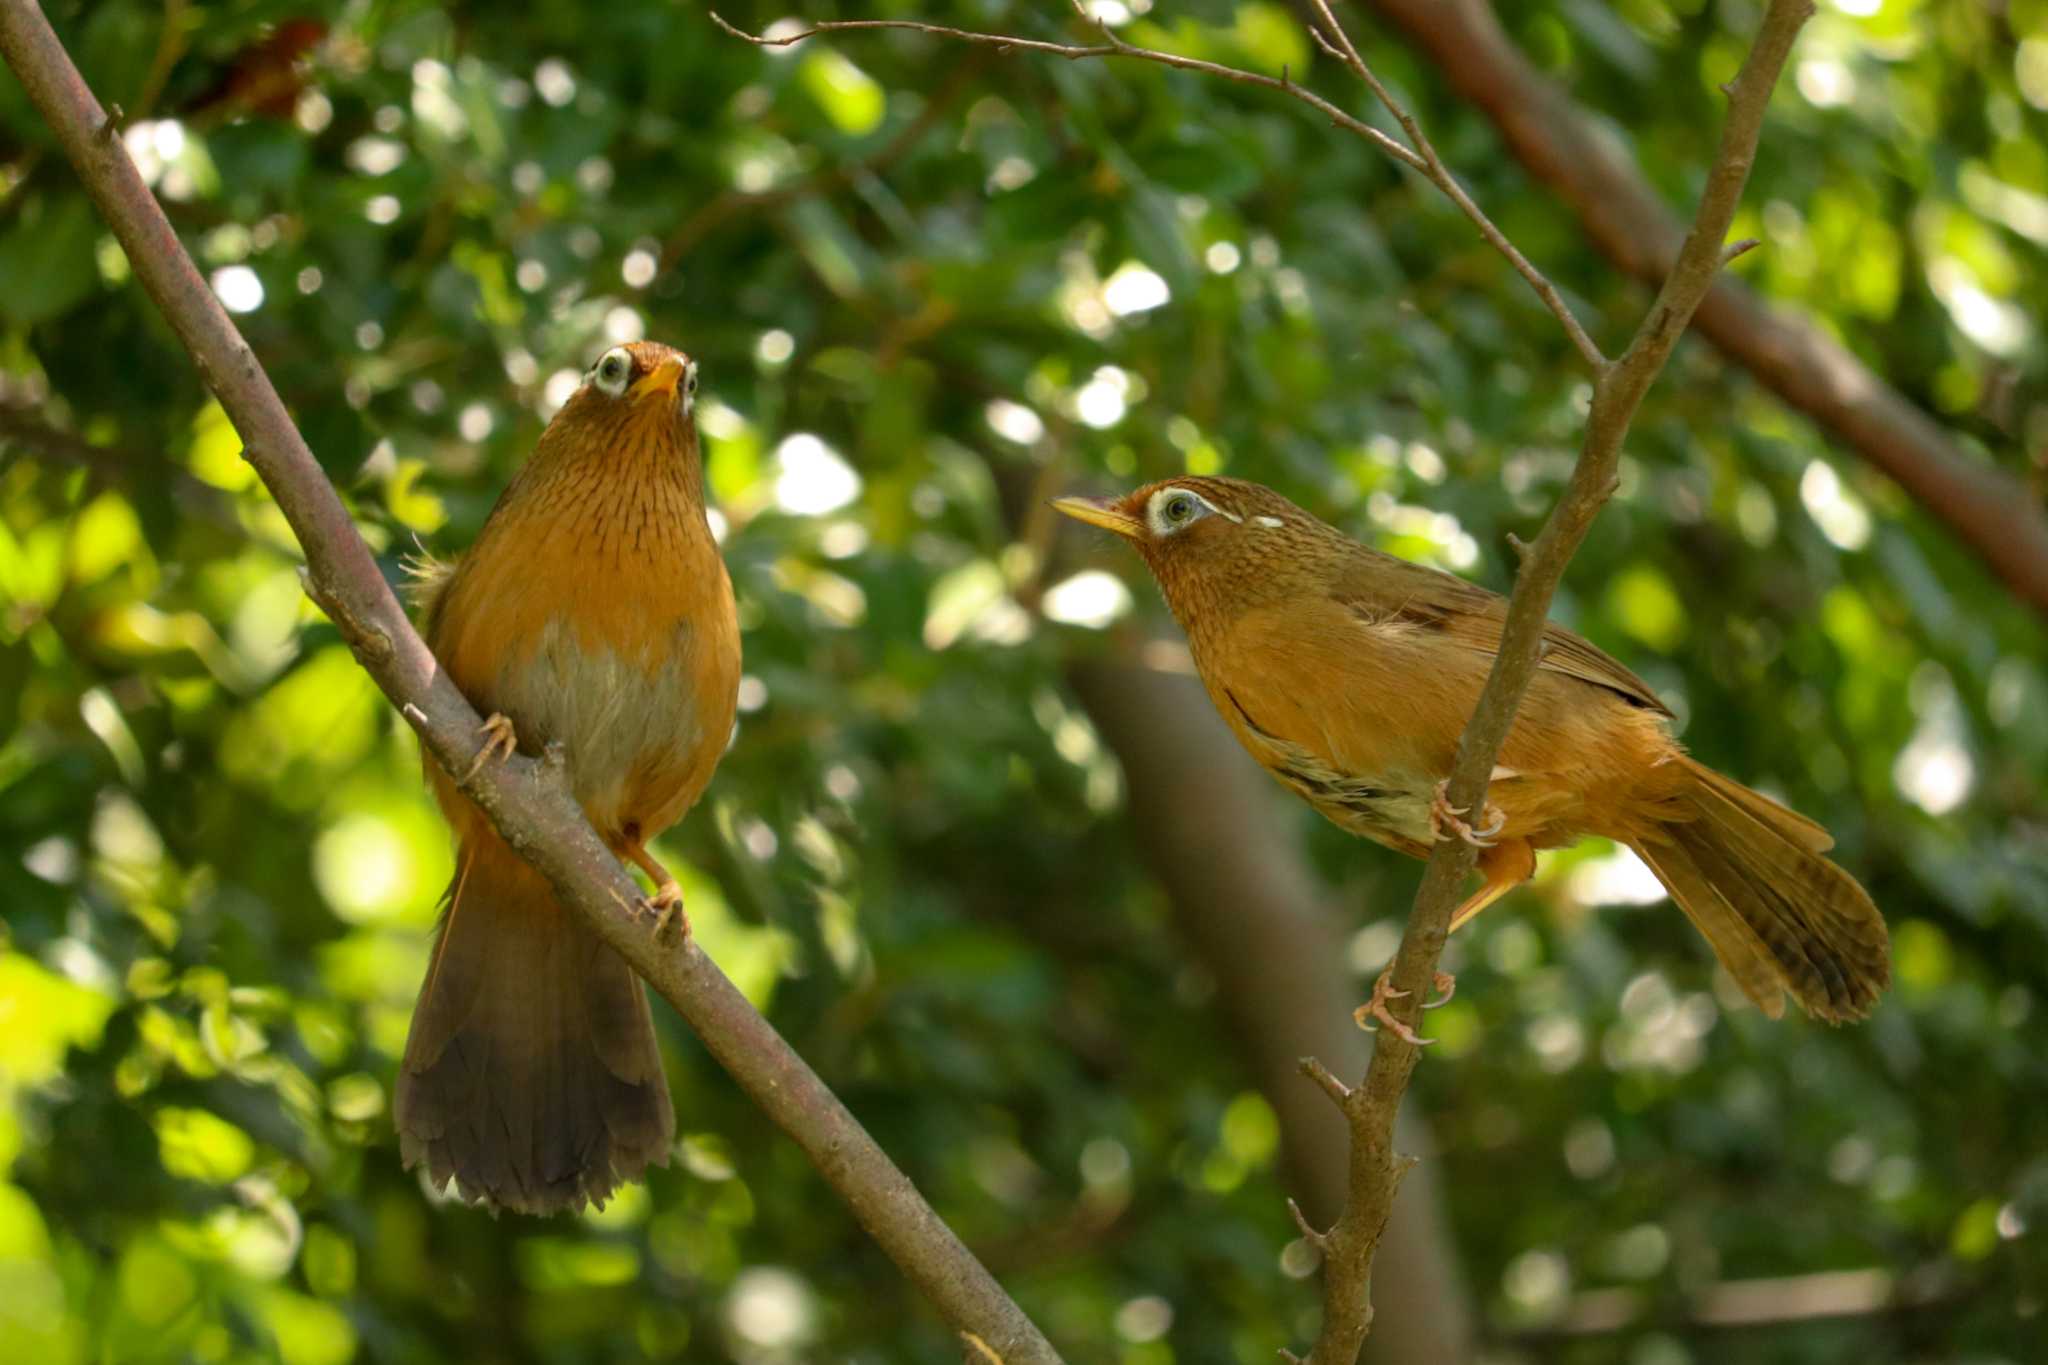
x=1156, y=510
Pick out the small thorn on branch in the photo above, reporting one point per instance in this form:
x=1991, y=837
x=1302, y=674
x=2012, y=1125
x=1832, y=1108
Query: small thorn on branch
x=1321, y=1075
x=1741, y=248
x=1319, y=1240
x=1522, y=548
x=1290, y=1357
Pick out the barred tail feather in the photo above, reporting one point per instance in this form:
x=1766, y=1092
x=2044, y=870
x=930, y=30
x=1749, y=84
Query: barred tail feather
x=1750, y=876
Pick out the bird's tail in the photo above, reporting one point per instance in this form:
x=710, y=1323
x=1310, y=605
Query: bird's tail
x=531, y=1075
x=1749, y=874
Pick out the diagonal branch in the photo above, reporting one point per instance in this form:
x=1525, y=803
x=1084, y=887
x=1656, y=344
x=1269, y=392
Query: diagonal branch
x=1376, y=1168
x=528, y=800
x=1338, y=43
x=1420, y=157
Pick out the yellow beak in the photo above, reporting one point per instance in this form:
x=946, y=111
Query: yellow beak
x=662, y=381
x=1104, y=512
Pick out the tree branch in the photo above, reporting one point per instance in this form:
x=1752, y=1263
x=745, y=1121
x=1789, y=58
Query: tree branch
x=1421, y=157
x=1376, y=1168
x=1370, y=1109
x=1338, y=43
x=1248, y=903
x=1983, y=506
x=528, y=800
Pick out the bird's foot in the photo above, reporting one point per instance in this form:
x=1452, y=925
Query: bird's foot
x=500, y=742
x=666, y=905
x=1383, y=990
x=1444, y=821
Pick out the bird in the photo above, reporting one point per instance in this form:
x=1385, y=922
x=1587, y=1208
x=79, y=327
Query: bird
x=1349, y=674
x=594, y=612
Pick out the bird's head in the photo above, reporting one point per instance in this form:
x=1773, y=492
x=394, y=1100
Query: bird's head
x=1207, y=539
x=641, y=382
x=1181, y=523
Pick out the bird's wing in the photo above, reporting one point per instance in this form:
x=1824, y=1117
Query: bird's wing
x=1386, y=589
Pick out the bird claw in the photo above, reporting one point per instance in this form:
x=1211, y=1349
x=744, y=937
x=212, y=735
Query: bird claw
x=1445, y=986
x=1383, y=990
x=1444, y=821
x=666, y=905
x=500, y=741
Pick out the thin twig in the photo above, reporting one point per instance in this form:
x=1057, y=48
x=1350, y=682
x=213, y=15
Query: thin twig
x=1114, y=47
x=1339, y=1093
x=1440, y=176
x=1421, y=157
x=528, y=800
x=1376, y=1169
x=1309, y=1233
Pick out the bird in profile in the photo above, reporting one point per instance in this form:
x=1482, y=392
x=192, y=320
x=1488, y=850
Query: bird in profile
x=1350, y=674
x=594, y=611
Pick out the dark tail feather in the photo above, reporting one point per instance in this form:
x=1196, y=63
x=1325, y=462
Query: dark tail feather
x=1750, y=876
x=531, y=1076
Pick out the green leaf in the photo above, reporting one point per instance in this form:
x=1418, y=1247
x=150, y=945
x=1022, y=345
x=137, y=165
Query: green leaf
x=847, y=95
x=49, y=260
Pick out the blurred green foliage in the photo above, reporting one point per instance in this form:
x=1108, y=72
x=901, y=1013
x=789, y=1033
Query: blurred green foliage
x=220, y=867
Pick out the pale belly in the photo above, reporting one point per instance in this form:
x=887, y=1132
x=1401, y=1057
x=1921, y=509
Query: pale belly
x=635, y=733
x=1390, y=808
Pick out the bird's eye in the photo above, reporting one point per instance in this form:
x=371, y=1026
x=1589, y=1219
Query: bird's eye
x=612, y=371
x=690, y=380
x=1175, y=509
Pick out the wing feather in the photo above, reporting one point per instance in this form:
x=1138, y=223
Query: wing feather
x=1382, y=588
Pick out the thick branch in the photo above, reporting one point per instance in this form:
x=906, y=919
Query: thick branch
x=1421, y=157
x=1987, y=509
x=528, y=800
x=1376, y=1169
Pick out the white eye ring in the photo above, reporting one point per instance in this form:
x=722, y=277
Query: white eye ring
x=689, y=386
x=612, y=370
x=1175, y=509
